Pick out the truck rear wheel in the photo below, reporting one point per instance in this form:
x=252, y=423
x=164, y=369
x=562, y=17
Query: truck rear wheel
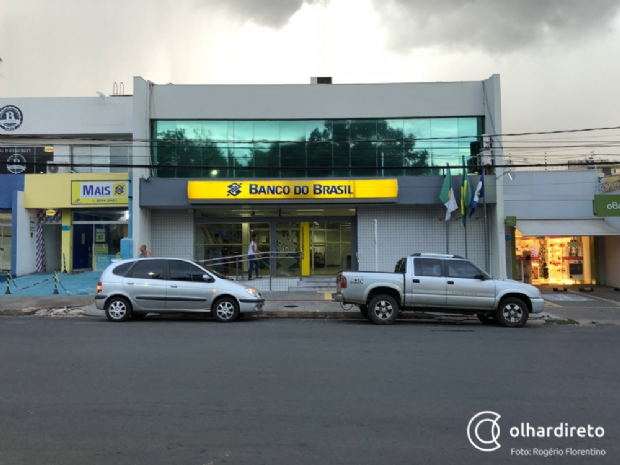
x=383, y=310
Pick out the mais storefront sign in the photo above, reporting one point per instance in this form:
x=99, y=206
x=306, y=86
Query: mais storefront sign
x=360, y=190
x=99, y=193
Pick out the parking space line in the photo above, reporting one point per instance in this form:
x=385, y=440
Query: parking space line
x=597, y=298
x=551, y=304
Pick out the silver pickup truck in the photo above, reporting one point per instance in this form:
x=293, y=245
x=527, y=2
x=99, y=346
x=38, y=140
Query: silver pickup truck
x=438, y=283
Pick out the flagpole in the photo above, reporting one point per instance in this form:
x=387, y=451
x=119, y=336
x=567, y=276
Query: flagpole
x=447, y=222
x=486, y=230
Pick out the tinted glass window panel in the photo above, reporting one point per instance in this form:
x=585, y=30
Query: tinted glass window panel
x=266, y=131
x=243, y=131
x=292, y=131
x=149, y=269
x=364, y=159
x=342, y=130
x=320, y=159
x=319, y=131
x=363, y=130
x=430, y=267
x=196, y=273
x=121, y=270
x=462, y=269
x=215, y=131
x=179, y=271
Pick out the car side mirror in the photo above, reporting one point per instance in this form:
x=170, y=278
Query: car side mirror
x=480, y=277
x=207, y=278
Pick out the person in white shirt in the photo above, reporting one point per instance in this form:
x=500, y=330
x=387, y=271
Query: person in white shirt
x=253, y=256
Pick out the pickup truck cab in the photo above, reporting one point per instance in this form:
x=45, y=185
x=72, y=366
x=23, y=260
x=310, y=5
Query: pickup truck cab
x=426, y=282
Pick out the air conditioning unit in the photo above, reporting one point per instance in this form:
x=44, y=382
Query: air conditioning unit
x=55, y=167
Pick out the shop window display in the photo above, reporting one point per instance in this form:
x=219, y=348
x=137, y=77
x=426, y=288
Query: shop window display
x=551, y=260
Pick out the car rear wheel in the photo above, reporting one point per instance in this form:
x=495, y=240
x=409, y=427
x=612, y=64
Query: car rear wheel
x=383, y=310
x=118, y=309
x=512, y=312
x=486, y=319
x=364, y=311
x=226, y=310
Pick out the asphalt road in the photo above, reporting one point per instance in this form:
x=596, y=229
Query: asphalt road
x=259, y=391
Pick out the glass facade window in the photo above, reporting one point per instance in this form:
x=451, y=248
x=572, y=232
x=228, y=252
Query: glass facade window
x=100, y=158
x=312, y=149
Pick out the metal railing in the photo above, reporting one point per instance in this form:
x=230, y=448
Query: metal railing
x=236, y=266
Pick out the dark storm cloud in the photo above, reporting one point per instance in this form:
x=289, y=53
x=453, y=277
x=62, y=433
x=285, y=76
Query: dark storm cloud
x=494, y=25
x=272, y=13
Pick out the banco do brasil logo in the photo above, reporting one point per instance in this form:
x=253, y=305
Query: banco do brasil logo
x=119, y=190
x=234, y=189
x=483, y=431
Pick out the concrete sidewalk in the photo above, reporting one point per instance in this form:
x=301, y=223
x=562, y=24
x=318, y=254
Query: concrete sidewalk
x=34, y=293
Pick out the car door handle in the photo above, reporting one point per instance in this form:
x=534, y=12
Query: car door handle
x=130, y=284
x=450, y=282
x=416, y=280
x=174, y=287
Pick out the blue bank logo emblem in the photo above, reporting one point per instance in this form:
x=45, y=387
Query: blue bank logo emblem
x=234, y=189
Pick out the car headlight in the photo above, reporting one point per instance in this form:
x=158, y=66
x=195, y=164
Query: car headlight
x=253, y=292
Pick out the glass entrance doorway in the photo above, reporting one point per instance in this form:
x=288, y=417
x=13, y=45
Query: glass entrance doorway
x=330, y=247
x=6, y=237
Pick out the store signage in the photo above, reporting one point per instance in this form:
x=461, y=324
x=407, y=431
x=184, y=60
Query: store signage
x=11, y=118
x=511, y=221
x=25, y=160
x=361, y=190
x=99, y=193
x=606, y=205
x=50, y=212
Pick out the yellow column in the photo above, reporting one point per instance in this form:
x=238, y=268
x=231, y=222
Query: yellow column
x=304, y=247
x=67, y=239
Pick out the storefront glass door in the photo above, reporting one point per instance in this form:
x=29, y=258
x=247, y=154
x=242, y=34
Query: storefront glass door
x=224, y=246
x=6, y=237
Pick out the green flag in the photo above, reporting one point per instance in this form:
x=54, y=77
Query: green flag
x=447, y=195
x=465, y=194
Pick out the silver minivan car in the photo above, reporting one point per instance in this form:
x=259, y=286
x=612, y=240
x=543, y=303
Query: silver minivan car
x=133, y=288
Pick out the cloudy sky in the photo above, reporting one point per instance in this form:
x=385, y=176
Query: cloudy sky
x=558, y=59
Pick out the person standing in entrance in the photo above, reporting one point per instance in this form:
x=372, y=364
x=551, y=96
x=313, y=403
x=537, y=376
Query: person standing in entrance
x=144, y=253
x=253, y=256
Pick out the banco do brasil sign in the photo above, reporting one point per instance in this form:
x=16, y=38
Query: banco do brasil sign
x=340, y=190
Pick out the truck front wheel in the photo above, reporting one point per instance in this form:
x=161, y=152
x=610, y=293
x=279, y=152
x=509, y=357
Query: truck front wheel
x=383, y=310
x=512, y=312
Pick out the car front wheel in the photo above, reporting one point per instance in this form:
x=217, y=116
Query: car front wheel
x=118, y=309
x=512, y=312
x=226, y=310
x=383, y=310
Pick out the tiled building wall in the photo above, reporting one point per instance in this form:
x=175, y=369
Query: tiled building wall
x=403, y=230
x=172, y=233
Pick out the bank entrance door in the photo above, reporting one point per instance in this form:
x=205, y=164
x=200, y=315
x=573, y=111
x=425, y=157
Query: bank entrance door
x=317, y=247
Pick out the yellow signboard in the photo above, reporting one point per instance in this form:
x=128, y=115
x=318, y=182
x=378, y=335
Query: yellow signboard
x=99, y=193
x=361, y=189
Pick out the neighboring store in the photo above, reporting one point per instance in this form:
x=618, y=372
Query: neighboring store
x=559, y=235
x=58, y=157
x=75, y=221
